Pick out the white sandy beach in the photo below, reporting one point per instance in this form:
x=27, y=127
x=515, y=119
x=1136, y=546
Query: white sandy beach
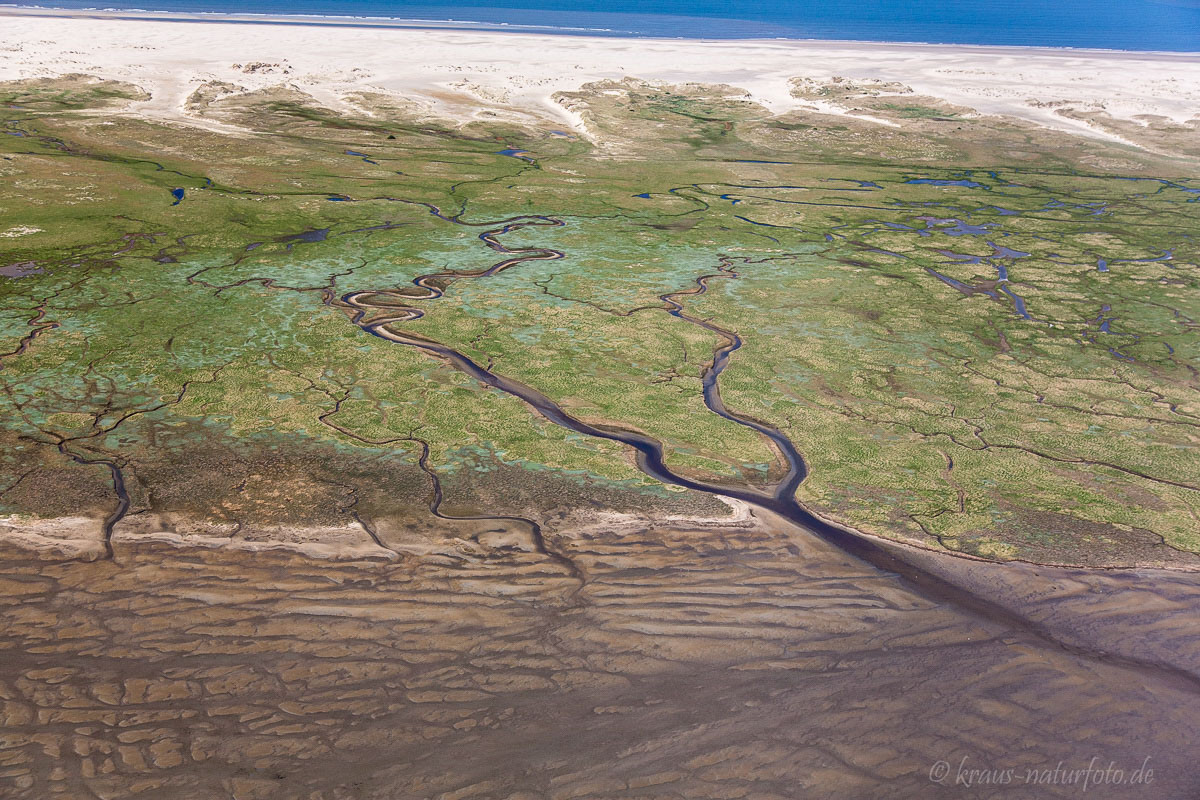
x=169, y=58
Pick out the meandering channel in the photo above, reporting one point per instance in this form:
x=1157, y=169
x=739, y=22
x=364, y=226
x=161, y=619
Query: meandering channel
x=379, y=312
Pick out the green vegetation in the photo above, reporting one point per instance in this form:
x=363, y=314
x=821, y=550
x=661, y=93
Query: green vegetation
x=996, y=358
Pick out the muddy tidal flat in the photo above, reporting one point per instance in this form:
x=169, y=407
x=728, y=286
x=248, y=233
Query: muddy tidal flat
x=746, y=661
x=381, y=421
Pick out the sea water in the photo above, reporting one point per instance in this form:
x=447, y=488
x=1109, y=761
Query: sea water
x=1172, y=25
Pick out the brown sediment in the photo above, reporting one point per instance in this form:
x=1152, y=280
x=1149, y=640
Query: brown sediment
x=732, y=658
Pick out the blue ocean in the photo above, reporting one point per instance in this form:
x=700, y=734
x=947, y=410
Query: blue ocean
x=1106, y=24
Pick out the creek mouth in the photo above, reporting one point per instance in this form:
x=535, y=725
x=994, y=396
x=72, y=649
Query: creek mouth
x=379, y=312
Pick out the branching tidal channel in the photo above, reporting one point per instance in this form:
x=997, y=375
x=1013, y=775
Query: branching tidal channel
x=380, y=312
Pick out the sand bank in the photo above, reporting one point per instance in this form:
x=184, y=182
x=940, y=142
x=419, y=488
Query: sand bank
x=170, y=55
